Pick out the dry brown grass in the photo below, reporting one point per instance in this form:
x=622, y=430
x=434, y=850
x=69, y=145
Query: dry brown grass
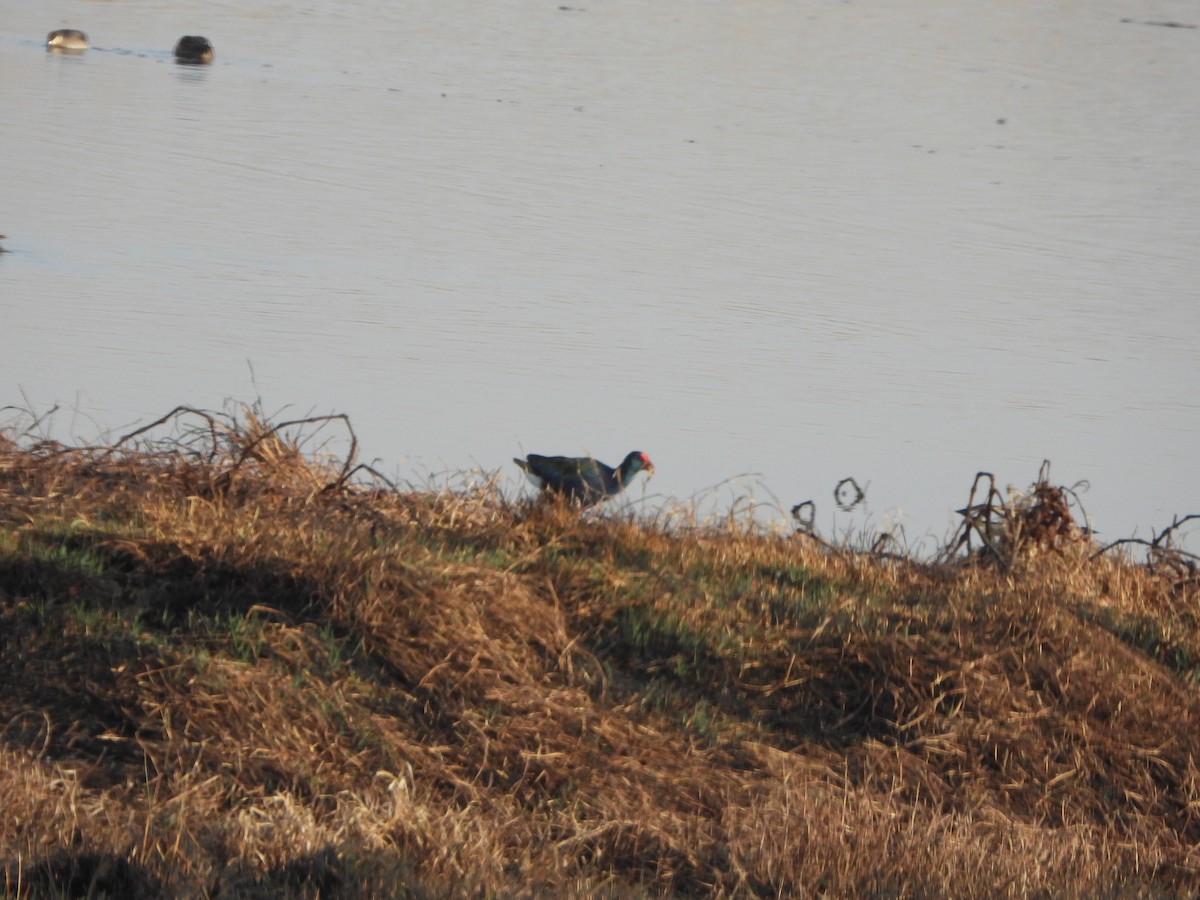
x=227, y=671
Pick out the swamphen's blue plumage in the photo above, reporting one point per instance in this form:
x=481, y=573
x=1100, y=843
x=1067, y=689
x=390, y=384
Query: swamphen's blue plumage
x=580, y=478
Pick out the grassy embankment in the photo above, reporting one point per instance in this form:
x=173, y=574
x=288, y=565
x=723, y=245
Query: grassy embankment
x=224, y=671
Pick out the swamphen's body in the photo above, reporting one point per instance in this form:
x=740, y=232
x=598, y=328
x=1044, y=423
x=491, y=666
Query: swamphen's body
x=580, y=478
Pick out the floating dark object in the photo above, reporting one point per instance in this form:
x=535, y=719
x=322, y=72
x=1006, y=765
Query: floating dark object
x=583, y=479
x=66, y=39
x=193, y=50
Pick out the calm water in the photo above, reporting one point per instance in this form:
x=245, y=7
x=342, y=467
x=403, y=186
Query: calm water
x=785, y=241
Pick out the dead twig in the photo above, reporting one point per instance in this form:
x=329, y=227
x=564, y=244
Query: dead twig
x=1161, y=553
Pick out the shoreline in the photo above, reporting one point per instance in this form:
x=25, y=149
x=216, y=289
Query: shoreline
x=230, y=666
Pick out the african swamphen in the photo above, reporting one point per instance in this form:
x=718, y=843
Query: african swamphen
x=581, y=478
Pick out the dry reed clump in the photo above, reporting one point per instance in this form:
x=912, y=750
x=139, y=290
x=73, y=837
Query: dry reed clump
x=228, y=669
x=1024, y=525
